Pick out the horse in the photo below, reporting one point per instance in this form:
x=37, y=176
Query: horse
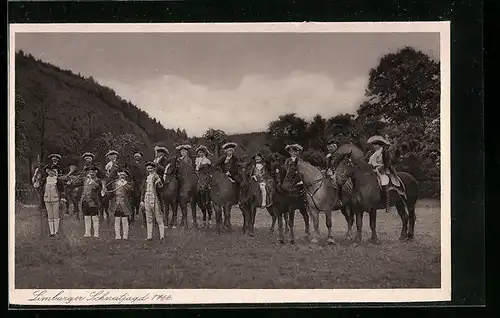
x=250, y=198
x=367, y=195
x=203, y=194
x=223, y=195
x=285, y=204
x=170, y=191
x=187, y=191
x=321, y=194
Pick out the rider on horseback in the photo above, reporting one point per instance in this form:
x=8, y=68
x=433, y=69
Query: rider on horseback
x=261, y=173
x=160, y=159
x=228, y=164
x=184, y=158
x=381, y=161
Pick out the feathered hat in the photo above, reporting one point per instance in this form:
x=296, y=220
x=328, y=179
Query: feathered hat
x=87, y=155
x=55, y=155
x=229, y=145
x=204, y=149
x=150, y=164
x=140, y=153
x=187, y=147
x=112, y=152
x=161, y=149
x=295, y=147
x=378, y=140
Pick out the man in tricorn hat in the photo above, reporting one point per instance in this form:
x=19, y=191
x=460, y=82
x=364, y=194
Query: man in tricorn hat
x=150, y=201
x=160, y=160
x=381, y=161
x=261, y=172
x=228, y=164
x=294, y=150
x=55, y=163
x=137, y=176
x=120, y=194
x=91, y=186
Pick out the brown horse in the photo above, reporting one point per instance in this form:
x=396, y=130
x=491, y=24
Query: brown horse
x=187, y=191
x=170, y=191
x=285, y=204
x=320, y=193
x=203, y=194
x=367, y=195
x=223, y=195
x=250, y=198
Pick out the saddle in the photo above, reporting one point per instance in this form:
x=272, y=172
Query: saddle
x=393, y=181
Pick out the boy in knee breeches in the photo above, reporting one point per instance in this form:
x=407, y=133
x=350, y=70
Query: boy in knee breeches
x=120, y=203
x=91, y=185
x=52, y=192
x=151, y=191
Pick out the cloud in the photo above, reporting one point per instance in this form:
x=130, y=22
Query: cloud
x=251, y=106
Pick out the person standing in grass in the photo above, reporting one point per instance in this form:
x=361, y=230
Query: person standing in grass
x=150, y=201
x=91, y=186
x=120, y=197
x=52, y=192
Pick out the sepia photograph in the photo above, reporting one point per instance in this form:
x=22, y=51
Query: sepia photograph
x=229, y=163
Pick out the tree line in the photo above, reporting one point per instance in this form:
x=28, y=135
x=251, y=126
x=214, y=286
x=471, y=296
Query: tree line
x=67, y=113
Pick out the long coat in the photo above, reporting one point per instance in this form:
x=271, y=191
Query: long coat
x=113, y=205
x=94, y=199
x=158, y=191
x=232, y=165
x=59, y=185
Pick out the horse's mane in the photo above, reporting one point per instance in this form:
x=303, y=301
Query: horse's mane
x=309, y=165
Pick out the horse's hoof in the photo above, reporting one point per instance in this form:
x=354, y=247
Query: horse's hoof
x=251, y=234
x=402, y=238
x=357, y=239
x=373, y=240
x=348, y=237
x=330, y=240
x=282, y=241
x=314, y=241
x=292, y=241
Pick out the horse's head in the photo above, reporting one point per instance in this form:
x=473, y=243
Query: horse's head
x=344, y=168
x=292, y=176
x=171, y=168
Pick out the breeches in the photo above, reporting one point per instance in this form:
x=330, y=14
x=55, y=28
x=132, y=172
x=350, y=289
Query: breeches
x=52, y=209
x=153, y=208
x=119, y=212
x=89, y=210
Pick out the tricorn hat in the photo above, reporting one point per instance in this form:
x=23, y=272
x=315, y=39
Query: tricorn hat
x=295, y=147
x=204, y=149
x=112, y=152
x=140, y=153
x=161, y=149
x=229, y=145
x=88, y=154
x=55, y=155
x=123, y=172
x=187, y=147
x=378, y=140
x=150, y=164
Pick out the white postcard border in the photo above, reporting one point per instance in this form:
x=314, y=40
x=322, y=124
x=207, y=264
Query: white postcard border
x=227, y=296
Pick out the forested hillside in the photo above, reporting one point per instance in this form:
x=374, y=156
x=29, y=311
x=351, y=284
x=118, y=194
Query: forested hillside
x=59, y=111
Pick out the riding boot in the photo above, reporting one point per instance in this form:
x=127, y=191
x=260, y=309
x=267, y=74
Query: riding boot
x=95, y=221
x=88, y=221
x=387, y=199
x=118, y=234
x=125, y=227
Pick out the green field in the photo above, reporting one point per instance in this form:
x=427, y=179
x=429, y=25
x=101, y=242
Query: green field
x=203, y=259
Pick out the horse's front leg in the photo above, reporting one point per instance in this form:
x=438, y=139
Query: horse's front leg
x=272, y=211
x=349, y=217
x=329, y=222
x=281, y=237
x=218, y=217
x=404, y=220
x=373, y=225
x=315, y=218
x=359, y=224
x=193, y=211
x=305, y=216
x=291, y=223
x=184, y=221
x=227, y=216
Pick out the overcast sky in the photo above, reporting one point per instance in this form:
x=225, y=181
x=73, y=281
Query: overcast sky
x=237, y=82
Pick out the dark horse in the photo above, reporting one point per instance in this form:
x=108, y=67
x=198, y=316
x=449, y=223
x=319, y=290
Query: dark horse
x=285, y=204
x=203, y=194
x=187, y=191
x=223, y=195
x=367, y=195
x=170, y=191
x=251, y=197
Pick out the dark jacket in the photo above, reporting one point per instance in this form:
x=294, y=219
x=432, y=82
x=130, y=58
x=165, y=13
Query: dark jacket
x=59, y=185
x=231, y=167
x=160, y=166
x=96, y=190
x=388, y=161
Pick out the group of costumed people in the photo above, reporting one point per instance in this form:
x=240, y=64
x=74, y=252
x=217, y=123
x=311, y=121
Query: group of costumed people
x=139, y=184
